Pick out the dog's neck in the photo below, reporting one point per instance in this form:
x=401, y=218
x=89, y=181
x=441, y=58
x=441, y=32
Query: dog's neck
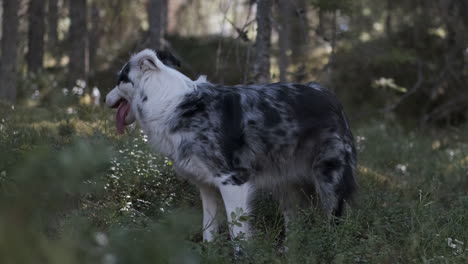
x=157, y=96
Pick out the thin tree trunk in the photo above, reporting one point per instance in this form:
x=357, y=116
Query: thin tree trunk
x=261, y=67
x=156, y=22
x=78, y=40
x=456, y=40
x=36, y=32
x=165, y=13
x=299, y=38
x=331, y=63
x=389, y=19
x=52, y=25
x=284, y=12
x=94, y=35
x=9, y=50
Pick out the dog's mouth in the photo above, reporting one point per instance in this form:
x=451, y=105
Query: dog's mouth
x=123, y=108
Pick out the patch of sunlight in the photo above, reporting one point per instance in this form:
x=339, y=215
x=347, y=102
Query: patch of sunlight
x=321, y=55
x=322, y=50
x=436, y=144
x=88, y=128
x=31, y=103
x=459, y=163
x=379, y=177
x=274, y=68
x=144, y=25
x=364, y=37
x=378, y=27
x=388, y=83
x=86, y=99
x=366, y=11
x=44, y=124
x=439, y=32
x=64, y=61
x=63, y=26
x=80, y=127
x=49, y=61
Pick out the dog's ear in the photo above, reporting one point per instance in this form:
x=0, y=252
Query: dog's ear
x=168, y=59
x=147, y=62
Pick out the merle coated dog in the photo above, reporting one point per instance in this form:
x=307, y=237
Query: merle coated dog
x=291, y=139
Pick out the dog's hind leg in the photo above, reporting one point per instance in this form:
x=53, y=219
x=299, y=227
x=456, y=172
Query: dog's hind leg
x=209, y=196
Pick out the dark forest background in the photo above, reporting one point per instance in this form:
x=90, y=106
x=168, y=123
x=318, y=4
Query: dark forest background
x=73, y=191
x=403, y=57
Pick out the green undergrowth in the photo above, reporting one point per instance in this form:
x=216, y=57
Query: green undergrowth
x=73, y=191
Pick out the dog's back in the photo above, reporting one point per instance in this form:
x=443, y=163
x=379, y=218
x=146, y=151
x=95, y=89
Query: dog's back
x=290, y=138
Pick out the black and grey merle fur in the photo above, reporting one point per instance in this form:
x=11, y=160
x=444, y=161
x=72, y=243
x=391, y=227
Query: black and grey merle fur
x=275, y=135
x=291, y=139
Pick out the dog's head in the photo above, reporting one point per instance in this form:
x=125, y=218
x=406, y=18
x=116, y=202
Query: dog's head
x=129, y=78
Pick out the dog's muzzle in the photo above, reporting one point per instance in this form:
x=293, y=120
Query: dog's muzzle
x=124, y=115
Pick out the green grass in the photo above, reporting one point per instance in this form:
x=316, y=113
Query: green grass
x=72, y=191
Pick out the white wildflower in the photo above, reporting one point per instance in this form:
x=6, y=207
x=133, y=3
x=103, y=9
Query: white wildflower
x=35, y=95
x=360, y=139
x=402, y=168
x=455, y=244
x=96, y=95
x=77, y=90
x=101, y=239
x=71, y=111
x=81, y=83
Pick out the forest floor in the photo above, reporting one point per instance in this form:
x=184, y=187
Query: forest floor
x=73, y=191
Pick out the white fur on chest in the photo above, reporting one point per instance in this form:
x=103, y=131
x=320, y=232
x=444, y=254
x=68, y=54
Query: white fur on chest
x=154, y=110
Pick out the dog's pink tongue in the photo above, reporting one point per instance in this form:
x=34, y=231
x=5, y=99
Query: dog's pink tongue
x=122, y=113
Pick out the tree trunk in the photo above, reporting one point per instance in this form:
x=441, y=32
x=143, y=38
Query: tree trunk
x=156, y=23
x=261, y=67
x=299, y=38
x=334, y=32
x=78, y=40
x=94, y=35
x=389, y=19
x=9, y=50
x=164, y=15
x=52, y=25
x=36, y=31
x=284, y=12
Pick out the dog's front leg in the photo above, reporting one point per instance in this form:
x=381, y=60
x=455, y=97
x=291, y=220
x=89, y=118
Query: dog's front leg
x=209, y=196
x=237, y=202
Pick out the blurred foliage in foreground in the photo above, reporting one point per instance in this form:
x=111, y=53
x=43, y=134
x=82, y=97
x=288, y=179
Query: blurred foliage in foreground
x=71, y=191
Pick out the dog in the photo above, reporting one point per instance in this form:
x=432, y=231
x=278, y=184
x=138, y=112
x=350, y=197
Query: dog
x=291, y=139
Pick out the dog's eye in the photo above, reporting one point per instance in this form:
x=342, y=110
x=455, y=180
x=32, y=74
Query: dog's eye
x=126, y=69
x=123, y=75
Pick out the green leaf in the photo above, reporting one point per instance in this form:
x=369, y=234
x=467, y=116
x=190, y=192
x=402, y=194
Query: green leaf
x=243, y=218
x=233, y=215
